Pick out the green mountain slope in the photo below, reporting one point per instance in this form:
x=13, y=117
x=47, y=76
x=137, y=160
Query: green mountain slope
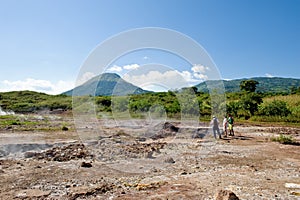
x=30, y=101
x=266, y=84
x=106, y=84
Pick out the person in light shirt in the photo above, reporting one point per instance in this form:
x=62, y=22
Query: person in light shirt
x=225, y=124
x=215, y=126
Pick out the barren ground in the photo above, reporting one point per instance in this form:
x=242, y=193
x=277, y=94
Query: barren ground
x=120, y=164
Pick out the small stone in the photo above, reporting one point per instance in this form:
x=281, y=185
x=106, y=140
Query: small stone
x=86, y=165
x=30, y=154
x=183, y=173
x=32, y=194
x=169, y=160
x=295, y=193
x=226, y=195
x=292, y=185
x=154, y=170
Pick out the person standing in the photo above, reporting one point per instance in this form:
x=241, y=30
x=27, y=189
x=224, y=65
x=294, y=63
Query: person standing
x=225, y=124
x=230, y=125
x=215, y=126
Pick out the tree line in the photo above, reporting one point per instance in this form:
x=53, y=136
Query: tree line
x=247, y=104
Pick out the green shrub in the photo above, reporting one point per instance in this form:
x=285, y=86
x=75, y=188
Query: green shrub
x=15, y=123
x=10, y=122
x=274, y=108
x=284, y=139
x=233, y=107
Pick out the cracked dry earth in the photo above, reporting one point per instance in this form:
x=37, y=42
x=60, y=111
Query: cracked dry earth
x=121, y=166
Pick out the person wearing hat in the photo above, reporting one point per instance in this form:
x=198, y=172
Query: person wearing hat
x=215, y=126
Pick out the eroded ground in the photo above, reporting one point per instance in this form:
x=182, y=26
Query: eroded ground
x=184, y=163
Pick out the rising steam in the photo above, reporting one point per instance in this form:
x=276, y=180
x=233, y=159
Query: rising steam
x=2, y=112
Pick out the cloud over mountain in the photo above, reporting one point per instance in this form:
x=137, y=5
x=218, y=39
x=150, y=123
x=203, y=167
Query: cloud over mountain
x=36, y=85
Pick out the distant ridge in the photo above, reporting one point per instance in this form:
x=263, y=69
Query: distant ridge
x=106, y=84
x=266, y=84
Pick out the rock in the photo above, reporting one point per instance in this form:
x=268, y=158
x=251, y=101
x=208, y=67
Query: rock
x=149, y=154
x=295, y=193
x=29, y=154
x=292, y=185
x=84, y=191
x=144, y=150
x=183, y=173
x=3, y=153
x=86, y=165
x=168, y=130
x=32, y=194
x=170, y=127
x=169, y=160
x=226, y=195
x=154, y=170
x=141, y=139
x=147, y=186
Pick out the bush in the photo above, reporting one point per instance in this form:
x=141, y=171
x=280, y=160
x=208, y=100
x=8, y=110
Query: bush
x=284, y=139
x=233, y=107
x=274, y=108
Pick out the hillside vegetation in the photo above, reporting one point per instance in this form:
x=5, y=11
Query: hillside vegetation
x=29, y=101
x=108, y=84
x=275, y=85
x=244, y=105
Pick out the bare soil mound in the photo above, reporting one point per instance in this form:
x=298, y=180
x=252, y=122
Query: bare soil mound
x=61, y=153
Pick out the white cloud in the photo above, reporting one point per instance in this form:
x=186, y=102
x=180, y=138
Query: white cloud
x=168, y=79
x=36, y=85
x=188, y=76
x=145, y=57
x=197, y=68
x=201, y=76
x=115, y=68
x=131, y=67
x=269, y=75
x=199, y=71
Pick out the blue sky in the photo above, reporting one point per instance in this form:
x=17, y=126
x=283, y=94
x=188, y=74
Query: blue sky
x=44, y=43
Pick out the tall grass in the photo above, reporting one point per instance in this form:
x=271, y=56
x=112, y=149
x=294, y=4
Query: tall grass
x=293, y=104
x=292, y=100
x=287, y=119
